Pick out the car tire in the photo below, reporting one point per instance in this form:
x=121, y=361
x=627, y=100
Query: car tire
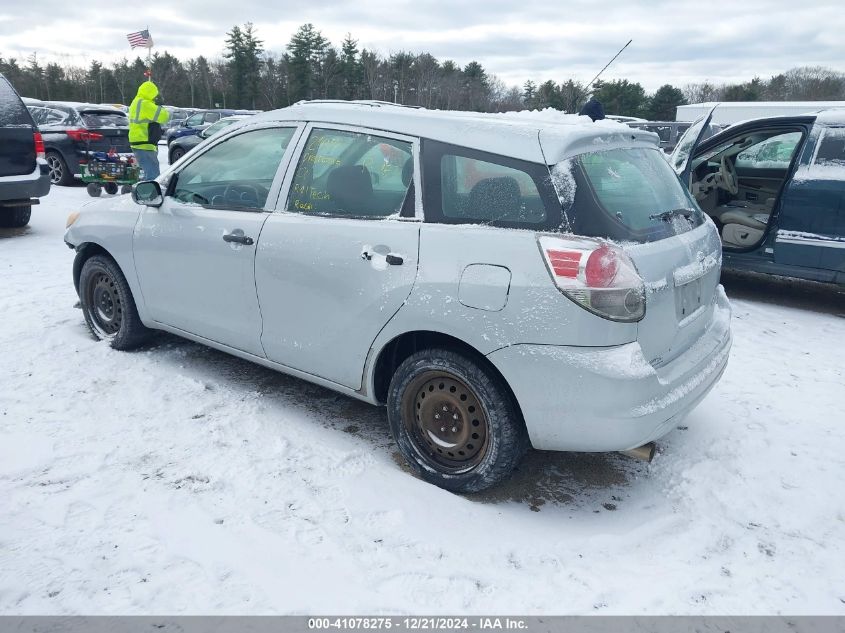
x=108, y=305
x=59, y=171
x=176, y=154
x=468, y=435
x=94, y=189
x=15, y=217
x=111, y=188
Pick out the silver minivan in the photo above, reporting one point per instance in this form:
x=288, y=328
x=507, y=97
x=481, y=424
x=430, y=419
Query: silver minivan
x=496, y=282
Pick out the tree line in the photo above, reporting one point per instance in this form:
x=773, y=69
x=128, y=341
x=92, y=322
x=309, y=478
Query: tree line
x=311, y=67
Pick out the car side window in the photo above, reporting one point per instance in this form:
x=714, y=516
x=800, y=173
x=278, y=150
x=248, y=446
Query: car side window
x=194, y=119
x=235, y=174
x=463, y=186
x=832, y=148
x=351, y=174
x=773, y=153
x=211, y=117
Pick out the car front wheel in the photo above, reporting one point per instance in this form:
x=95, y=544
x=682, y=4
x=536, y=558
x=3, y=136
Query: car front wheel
x=108, y=305
x=454, y=421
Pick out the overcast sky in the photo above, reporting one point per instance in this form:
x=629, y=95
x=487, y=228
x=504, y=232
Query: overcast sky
x=676, y=42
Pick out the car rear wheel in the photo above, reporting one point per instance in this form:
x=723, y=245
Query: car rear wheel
x=176, y=154
x=15, y=217
x=59, y=172
x=108, y=305
x=455, y=422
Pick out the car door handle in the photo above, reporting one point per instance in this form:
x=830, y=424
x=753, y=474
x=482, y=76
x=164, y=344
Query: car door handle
x=394, y=260
x=239, y=239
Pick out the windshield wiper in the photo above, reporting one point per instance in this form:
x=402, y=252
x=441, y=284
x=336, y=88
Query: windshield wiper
x=666, y=216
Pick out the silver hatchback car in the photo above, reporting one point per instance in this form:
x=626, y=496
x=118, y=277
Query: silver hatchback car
x=494, y=281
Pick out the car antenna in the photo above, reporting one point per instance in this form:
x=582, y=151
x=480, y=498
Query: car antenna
x=587, y=89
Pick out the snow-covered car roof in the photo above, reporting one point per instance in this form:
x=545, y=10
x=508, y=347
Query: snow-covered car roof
x=514, y=134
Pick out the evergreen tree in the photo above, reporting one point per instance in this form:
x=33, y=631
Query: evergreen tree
x=664, y=103
x=351, y=71
x=307, y=49
x=529, y=95
x=621, y=97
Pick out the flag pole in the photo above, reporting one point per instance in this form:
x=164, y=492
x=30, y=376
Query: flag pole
x=150, y=54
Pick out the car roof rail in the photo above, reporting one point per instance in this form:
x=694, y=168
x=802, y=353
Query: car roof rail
x=373, y=103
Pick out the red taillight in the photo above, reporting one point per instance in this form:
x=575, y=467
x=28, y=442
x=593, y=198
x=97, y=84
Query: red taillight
x=596, y=275
x=565, y=263
x=602, y=267
x=82, y=136
x=39, y=145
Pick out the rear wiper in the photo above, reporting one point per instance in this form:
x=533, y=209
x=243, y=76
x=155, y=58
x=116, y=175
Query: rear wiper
x=665, y=216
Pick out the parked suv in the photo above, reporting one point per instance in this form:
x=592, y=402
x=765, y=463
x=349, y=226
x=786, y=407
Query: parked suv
x=494, y=282
x=23, y=171
x=73, y=131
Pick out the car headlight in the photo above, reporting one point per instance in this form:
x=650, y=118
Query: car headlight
x=71, y=219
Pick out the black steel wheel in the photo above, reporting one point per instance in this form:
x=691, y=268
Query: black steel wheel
x=15, y=217
x=59, y=172
x=446, y=421
x=454, y=420
x=108, y=306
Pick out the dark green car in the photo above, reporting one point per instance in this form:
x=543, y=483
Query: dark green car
x=775, y=188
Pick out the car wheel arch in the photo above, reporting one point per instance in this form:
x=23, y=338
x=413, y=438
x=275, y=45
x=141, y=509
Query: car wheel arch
x=84, y=252
x=400, y=347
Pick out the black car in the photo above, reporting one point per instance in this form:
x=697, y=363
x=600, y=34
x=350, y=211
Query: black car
x=72, y=131
x=24, y=175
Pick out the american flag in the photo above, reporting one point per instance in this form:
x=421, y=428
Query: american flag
x=140, y=38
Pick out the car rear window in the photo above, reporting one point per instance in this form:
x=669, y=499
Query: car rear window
x=625, y=195
x=104, y=119
x=12, y=109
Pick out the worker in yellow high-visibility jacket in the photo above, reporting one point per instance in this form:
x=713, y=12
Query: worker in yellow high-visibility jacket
x=145, y=119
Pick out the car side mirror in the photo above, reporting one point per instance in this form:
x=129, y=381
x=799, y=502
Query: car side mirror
x=148, y=193
x=184, y=123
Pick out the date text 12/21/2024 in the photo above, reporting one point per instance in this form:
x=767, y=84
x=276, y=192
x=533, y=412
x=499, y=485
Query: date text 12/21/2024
x=419, y=623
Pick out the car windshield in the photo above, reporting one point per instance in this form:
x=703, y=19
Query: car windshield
x=624, y=195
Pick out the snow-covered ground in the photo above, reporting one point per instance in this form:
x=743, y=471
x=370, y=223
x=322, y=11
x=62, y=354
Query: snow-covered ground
x=177, y=479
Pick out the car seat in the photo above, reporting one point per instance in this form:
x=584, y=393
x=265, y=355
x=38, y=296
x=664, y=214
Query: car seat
x=495, y=199
x=350, y=189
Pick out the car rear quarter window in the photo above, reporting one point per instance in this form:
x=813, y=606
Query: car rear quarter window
x=352, y=174
x=832, y=148
x=466, y=186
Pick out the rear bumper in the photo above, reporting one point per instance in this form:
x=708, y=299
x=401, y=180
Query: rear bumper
x=611, y=398
x=26, y=186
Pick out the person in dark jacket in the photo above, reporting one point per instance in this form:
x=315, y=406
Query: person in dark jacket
x=593, y=109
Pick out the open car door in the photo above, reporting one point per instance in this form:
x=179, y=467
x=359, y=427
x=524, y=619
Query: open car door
x=681, y=157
